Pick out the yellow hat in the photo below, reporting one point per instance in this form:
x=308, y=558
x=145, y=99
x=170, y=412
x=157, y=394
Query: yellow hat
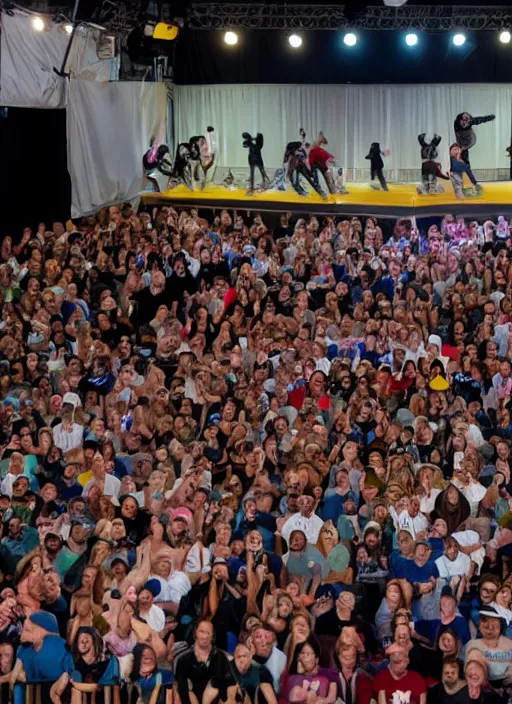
x=439, y=383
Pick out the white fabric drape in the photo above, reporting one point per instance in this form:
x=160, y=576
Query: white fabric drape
x=351, y=117
x=109, y=128
x=27, y=78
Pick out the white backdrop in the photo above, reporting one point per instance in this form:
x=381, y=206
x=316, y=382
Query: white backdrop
x=351, y=117
x=27, y=78
x=109, y=128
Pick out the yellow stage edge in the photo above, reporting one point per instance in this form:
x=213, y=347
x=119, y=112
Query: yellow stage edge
x=361, y=199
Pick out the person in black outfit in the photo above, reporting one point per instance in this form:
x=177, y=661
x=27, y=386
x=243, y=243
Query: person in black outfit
x=255, y=145
x=202, y=669
x=377, y=165
x=464, y=134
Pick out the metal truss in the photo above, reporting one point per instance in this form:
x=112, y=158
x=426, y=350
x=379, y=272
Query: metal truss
x=317, y=17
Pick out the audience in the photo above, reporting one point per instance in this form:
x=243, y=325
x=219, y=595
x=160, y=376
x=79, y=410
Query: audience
x=249, y=461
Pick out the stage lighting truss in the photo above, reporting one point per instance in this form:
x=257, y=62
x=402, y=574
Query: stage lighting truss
x=314, y=17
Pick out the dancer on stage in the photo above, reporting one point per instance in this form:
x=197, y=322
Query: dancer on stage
x=320, y=160
x=186, y=154
x=464, y=134
x=430, y=168
x=255, y=159
x=296, y=165
x=377, y=165
x=459, y=167
x=207, y=148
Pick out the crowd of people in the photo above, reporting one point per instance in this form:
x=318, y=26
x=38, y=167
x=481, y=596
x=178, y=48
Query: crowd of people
x=249, y=462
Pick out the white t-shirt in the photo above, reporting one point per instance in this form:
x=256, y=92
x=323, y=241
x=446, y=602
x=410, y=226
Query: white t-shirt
x=453, y=568
x=403, y=521
x=112, y=486
x=172, y=589
x=155, y=618
x=311, y=527
x=65, y=440
x=427, y=503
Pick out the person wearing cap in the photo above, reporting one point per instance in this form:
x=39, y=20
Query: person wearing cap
x=494, y=646
x=43, y=655
x=68, y=434
x=306, y=520
x=152, y=614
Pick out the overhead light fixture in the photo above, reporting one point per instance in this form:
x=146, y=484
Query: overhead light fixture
x=394, y=3
x=411, y=39
x=231, y=38
x=350, y=39
x=38, y=24
x=68, y=28
x=295, y=41
x=459, y=39
x=164, y=30
x=505, y=37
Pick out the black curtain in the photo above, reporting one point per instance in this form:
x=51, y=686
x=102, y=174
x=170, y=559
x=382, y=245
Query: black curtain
x=34, y=181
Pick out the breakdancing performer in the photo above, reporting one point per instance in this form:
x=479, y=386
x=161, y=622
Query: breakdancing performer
x=157, y=165
x=430, y=168
x=186, y=154
x=320, y=160
x=255, y=159
x=464, y=133
x=297, y=165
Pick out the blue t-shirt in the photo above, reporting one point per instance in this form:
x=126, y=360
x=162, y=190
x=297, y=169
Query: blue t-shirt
x=47, y=664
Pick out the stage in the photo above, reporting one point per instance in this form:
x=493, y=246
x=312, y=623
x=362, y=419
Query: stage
x=401, y=200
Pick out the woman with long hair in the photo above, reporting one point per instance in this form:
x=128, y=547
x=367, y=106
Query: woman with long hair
x=307, y=681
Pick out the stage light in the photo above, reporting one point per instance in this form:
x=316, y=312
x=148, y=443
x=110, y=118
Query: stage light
x=169, y=31
x=231, y=38
x=68, y=28
x=505, y=37
x=38, y=24
x=350, y=39
x=459, y=39
x=295, y=41
x=411, y=39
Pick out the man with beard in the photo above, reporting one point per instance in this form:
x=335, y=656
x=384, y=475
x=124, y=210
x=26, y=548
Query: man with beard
x=452, y=689
x=87, y=652
x=43, y=655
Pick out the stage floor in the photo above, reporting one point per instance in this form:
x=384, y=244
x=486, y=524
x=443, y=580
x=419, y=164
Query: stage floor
x=400, y=200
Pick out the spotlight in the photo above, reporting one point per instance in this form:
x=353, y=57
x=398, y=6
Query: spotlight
x=505, y=37
x=38, y=24
x=459, y=39
x=295, y=41
x=411, y=39
x=166, y=31
x=231, y=38
x=350, y=39
x=68, y=28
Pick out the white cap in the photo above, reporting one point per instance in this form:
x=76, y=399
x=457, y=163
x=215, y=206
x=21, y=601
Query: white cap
x=72, y=399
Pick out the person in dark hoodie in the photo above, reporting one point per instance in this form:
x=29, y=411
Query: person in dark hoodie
x=464, y=134
x=377, y=165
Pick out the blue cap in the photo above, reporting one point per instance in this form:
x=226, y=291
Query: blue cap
x=45, y=620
